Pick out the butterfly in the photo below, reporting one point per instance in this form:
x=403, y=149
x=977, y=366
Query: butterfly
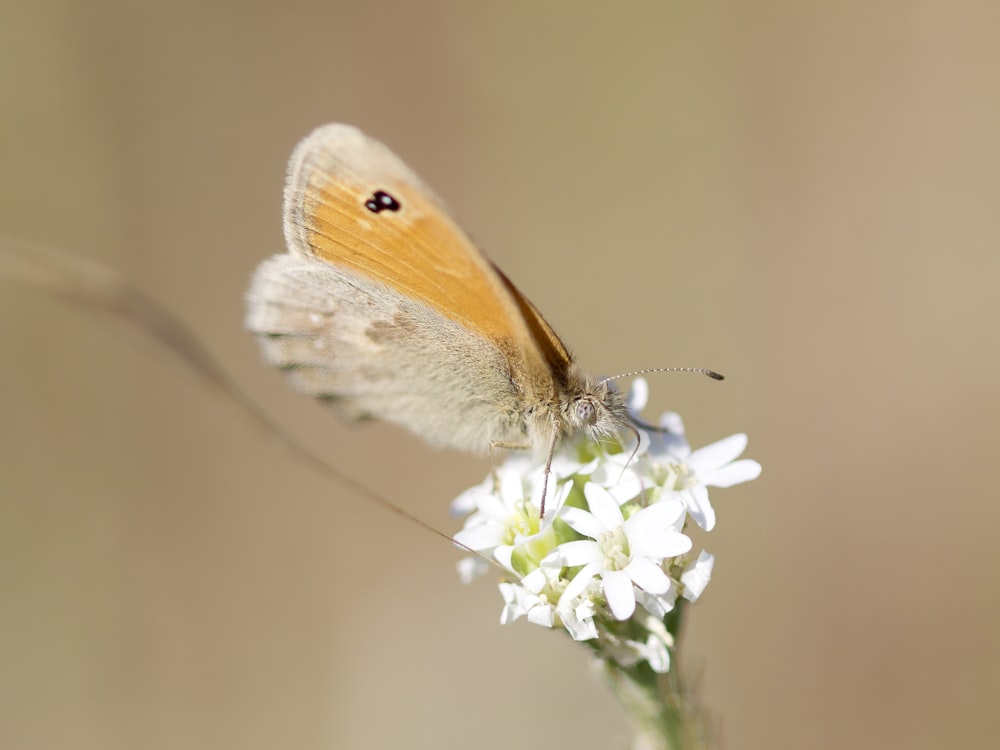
x=383, y=306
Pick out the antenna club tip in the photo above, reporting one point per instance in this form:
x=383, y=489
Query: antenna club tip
x=715, y=375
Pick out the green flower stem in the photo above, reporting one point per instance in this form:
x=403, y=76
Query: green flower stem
x=661, y=708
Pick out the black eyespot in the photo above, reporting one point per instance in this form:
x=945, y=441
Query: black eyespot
x=381, y=201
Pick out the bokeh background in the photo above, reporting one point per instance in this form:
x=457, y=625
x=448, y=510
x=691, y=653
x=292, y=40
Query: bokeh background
x=802, y=195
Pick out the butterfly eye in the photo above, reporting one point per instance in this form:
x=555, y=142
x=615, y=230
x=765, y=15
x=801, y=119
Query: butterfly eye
x=586, y=412
x=381, y=201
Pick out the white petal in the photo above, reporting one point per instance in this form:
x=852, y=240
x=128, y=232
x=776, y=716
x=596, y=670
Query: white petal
x=667, y=543
x=611, y=465
x=618, y=591
x=471, y=567
x=535, y=581
x=698, y=507
x=580, y=552
x=658, y=655
x=555, y=496
x=675, y=544
x=468, y=501
x=626, y=486
x=504, y=554
x=696, y=578
x=565, y=465
x=612, y=469
x=511, y=487
x=580, y=581
x=607, y=473
x=585, y=609
x=462, y=505
x=638, y=396
x=671, y=422
x=579, y=621
x=648, y=575
x=581, y=630
x=494, y=508
x=650, y=531
x=718, y=453
x=734, y=473
x=584, y=522
x=663, y=514
x=657, y=604
x=483, y=536
x=670, y=443
x=516, y=602
x=603, y=506
x=542, y=614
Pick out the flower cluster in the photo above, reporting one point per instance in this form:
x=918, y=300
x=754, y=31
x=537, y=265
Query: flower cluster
x=610, y=557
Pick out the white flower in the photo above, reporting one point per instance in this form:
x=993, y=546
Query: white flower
x=519, y=602
x=671, y=464
x=715, y=465
x=628, y=651
x=506, y=518
x=623, y=553
x=533, y=598
x=576, y=614
x=655, y=650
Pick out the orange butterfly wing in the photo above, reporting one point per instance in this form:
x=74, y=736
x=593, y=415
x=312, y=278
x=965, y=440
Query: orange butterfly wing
x=407, y=240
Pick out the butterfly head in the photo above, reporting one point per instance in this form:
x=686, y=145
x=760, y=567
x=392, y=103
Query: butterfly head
x=595, y=407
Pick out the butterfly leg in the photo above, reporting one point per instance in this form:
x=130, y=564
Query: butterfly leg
x=502, y=445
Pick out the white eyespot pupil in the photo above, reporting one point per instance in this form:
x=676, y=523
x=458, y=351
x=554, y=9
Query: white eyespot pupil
x=381, y=201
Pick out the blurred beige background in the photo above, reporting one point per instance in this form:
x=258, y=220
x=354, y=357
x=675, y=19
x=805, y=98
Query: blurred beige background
x=802, y=195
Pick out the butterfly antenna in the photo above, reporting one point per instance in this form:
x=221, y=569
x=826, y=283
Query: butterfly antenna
x=698, y=370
